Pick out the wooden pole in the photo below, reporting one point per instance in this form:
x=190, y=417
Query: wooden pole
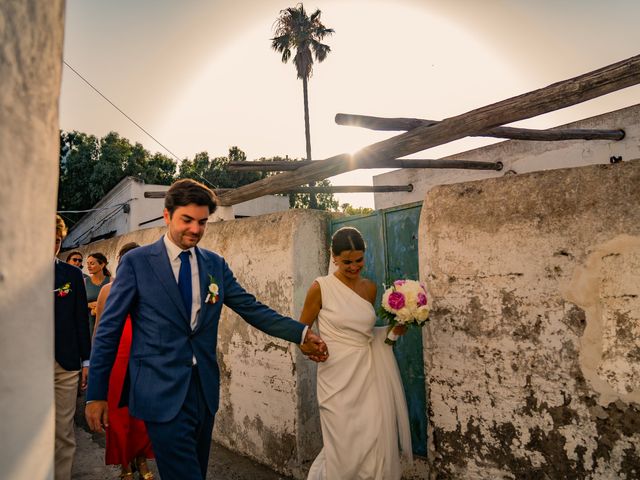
x=352, y=189
x=406, y=124
x=553, y=97
x=277, y=166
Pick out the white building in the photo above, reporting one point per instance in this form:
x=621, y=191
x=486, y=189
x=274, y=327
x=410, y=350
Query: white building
x=131, y=205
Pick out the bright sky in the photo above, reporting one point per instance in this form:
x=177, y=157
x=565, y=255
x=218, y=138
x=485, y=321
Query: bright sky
x=201, y=75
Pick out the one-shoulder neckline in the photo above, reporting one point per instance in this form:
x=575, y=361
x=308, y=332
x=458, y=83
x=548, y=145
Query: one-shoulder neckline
x=351, y=290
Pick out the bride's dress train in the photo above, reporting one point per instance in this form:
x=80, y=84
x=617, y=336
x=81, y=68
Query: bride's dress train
x=363, y=412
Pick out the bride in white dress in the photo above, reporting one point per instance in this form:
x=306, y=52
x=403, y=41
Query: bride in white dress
x=363, y=412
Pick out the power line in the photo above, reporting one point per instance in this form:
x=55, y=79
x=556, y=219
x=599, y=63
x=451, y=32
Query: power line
x=132, y=121
x=93, y=209
x=117, y=108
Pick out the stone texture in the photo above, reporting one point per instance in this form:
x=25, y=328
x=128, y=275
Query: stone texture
x=31, y=34
x=531, y=353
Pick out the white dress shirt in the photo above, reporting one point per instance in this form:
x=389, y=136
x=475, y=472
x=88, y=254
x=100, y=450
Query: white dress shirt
x=174, y=252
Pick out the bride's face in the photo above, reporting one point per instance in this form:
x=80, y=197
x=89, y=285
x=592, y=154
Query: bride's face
x=350, y=263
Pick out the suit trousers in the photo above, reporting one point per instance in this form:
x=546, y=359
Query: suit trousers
x=182, y=445
x=66, y=391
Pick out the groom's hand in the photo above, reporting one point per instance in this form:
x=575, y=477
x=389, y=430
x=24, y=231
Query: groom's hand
x=97, y=415
x=314, y=347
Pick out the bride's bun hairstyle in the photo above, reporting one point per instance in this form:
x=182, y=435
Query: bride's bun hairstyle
x=347, y=239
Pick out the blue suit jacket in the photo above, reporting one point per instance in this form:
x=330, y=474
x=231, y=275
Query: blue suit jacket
x=163, y=343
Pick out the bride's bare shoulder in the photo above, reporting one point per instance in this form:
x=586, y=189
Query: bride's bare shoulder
x=371, y=288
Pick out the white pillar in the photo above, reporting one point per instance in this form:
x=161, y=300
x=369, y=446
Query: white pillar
x=31, y=36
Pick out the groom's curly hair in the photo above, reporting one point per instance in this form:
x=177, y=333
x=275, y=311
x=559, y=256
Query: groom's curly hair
x=187, y=191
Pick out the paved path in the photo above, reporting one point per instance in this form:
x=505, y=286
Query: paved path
x=223, y=463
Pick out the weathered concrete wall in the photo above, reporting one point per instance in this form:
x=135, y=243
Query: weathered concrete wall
x=522, y=156
x=31, y=34
x=533, y=350
x=268, y=409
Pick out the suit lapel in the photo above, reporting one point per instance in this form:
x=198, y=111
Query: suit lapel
x=158, y=260
x=204, y=268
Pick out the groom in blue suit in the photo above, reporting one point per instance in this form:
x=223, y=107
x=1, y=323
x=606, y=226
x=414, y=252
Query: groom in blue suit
x=174, y=292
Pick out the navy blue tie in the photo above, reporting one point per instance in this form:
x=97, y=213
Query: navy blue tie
x=184, y=281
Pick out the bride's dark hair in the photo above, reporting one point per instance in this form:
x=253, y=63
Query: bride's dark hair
x=347, y=239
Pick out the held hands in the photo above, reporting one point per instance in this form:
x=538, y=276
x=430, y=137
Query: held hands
x=314, y=347
x=97, y=415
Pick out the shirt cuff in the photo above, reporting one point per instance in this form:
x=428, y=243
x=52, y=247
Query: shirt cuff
x=85, y=363
x=304, y=334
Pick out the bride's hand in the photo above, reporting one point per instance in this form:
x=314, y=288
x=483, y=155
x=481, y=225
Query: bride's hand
x=399, y=330
x=314, y=347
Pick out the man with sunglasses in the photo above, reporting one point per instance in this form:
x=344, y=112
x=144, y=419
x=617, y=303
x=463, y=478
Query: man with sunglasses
x=75, y=258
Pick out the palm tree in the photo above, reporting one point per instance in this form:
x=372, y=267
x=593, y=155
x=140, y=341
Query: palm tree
x=295, y=30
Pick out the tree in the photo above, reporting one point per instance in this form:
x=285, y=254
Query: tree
x=294, y=29
x=90, y=167
x=350, y=210
x=214, y=172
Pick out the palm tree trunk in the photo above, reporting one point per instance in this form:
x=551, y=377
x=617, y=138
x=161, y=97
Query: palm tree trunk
x=307, y=133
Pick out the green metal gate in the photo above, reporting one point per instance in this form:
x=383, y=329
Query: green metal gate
x=392, y=253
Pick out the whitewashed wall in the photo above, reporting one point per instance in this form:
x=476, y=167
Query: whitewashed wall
x=533, y=351
x=31, y=35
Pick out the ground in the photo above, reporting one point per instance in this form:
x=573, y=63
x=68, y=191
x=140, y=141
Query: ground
x=223, y=463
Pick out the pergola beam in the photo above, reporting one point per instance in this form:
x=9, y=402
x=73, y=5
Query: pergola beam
x=352, y=189
x=513, y=133
x=285, y=166
x=553, y=97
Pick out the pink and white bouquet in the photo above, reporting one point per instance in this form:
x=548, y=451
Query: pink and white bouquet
x=404, y=303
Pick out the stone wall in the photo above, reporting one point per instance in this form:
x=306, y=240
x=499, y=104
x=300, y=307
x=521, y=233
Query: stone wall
x=533, y=350
x=268, y=409
x=31, y=34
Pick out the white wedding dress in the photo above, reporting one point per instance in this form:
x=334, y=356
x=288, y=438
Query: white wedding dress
x=363, y=412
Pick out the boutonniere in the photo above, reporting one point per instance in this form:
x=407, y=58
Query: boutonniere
x=212, y=291
x=64, y=290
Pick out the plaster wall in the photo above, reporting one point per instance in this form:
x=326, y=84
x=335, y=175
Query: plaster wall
x=268, y=409
x=519, y=156
x=533, y=350
x=31, y=35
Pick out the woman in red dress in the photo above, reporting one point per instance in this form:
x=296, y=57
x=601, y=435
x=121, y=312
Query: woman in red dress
x=128, y=444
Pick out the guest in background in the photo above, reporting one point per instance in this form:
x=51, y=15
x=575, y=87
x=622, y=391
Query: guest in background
x=72, y=349
x=99, y=276
x=75, y=258
x=128, y=444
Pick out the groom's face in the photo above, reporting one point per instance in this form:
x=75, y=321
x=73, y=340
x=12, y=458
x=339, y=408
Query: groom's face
x=187, y=224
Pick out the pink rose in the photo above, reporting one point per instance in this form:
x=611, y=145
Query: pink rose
x=422, y=299
x=396, y=300
x=399, y=283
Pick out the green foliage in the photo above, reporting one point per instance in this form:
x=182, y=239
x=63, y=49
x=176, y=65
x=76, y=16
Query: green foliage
x=294, y=29
x=214, y=173
x=349, y=209
x=90, y=167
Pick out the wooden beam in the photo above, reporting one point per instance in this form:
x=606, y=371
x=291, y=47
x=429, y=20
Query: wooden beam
x=162, y=194
x=553, y=97
x=277, y=166
x=352, y=189
x=406, y=124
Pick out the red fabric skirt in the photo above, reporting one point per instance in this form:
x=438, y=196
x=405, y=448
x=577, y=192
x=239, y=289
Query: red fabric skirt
x=126, y=436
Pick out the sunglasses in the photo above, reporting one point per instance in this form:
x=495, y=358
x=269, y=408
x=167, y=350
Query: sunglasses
x=76, y=260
